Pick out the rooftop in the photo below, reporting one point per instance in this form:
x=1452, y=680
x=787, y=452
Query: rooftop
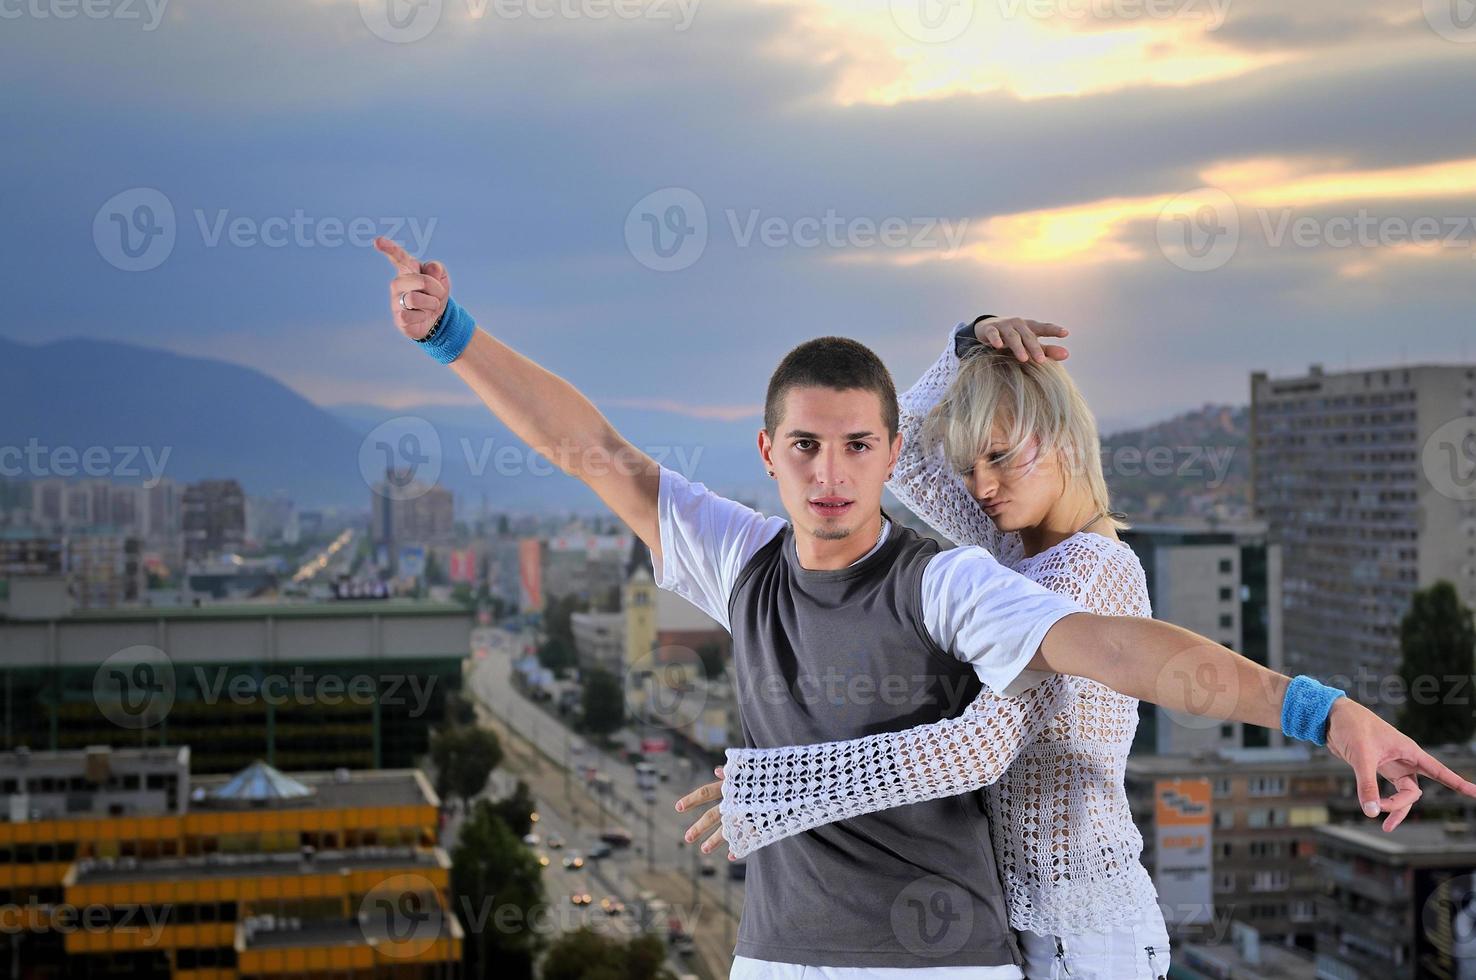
x=1420, y=843
x=91, y=871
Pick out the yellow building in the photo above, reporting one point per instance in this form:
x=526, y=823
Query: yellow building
x=113, y=864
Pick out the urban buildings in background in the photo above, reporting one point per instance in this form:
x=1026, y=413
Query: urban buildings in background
x=1349, y=476
x=214, y=518
x=1223, y=581
x=257, y=874
x=404, y=511
x=316, y=685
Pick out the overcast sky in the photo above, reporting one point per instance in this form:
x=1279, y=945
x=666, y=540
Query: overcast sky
x=657, y=198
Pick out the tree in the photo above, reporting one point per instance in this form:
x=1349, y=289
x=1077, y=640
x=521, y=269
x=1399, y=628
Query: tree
x=586, y=955
x=557, y=655
x=517, y=810
x=604, y=702
x=711, y=656
x=496, y=880
x=1438, y=643
x=556, y=616
x=464, y=756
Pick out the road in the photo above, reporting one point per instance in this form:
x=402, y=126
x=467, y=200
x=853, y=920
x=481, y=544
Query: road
x=545, y=753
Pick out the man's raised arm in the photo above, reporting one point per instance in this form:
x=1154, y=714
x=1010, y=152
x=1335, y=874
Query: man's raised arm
x=541, y=408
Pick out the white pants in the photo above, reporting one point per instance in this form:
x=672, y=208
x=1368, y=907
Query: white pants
x=1137, y=950
x=745, y=968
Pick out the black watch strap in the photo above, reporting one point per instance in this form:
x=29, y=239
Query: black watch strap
x=964, y=339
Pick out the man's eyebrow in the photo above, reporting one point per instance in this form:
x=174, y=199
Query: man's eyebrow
x=802, y=434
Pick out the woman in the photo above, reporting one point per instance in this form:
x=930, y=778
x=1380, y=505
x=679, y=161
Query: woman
x=1020, y=475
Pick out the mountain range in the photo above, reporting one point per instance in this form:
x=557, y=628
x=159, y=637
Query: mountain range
x=136, y=412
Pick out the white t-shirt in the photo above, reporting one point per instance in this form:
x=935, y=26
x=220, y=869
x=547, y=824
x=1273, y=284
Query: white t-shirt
x=981, y=612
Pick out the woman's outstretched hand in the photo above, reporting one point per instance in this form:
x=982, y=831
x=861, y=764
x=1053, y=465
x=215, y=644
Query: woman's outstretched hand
x=712, y=818
x=1021, y=336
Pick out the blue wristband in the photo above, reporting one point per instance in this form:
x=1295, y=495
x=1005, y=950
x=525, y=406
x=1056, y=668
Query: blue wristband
x=452, y=336
x=1305, y=709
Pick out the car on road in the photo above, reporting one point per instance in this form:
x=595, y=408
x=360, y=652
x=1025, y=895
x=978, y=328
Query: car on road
x=600, y=850
x=708, y=869
x=542, y=860
x=612, y=906
x=532, y=840
x=555, y=842
x=616, y=837
x=580, y=898
x=573, y=862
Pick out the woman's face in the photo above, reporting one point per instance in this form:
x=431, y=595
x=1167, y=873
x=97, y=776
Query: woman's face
x=1014, y=495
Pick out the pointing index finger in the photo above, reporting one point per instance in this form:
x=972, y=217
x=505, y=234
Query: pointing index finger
x=402, y=259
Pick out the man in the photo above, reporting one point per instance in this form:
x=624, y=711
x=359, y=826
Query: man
x=838, y=583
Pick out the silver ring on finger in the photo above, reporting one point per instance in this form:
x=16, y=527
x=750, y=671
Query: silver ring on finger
x=403, y=305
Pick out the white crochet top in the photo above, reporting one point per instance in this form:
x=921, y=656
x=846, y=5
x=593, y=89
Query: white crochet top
x=1050, y=761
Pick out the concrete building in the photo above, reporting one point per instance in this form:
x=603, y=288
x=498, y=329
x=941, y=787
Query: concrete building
x=1264, y=805
x=214, y=518
x=1364, y=478
x=404, y=511
x=1398, y=906
x=1222, y=581
x=301, y=685
x=257, y=874
x=102, y=566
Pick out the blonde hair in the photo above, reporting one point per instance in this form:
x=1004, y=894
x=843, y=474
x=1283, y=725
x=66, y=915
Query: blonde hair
x=1025, y=399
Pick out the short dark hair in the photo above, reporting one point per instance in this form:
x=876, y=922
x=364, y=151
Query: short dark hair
x=831, y=362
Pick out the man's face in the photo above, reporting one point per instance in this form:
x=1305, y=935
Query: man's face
x=831, y=457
